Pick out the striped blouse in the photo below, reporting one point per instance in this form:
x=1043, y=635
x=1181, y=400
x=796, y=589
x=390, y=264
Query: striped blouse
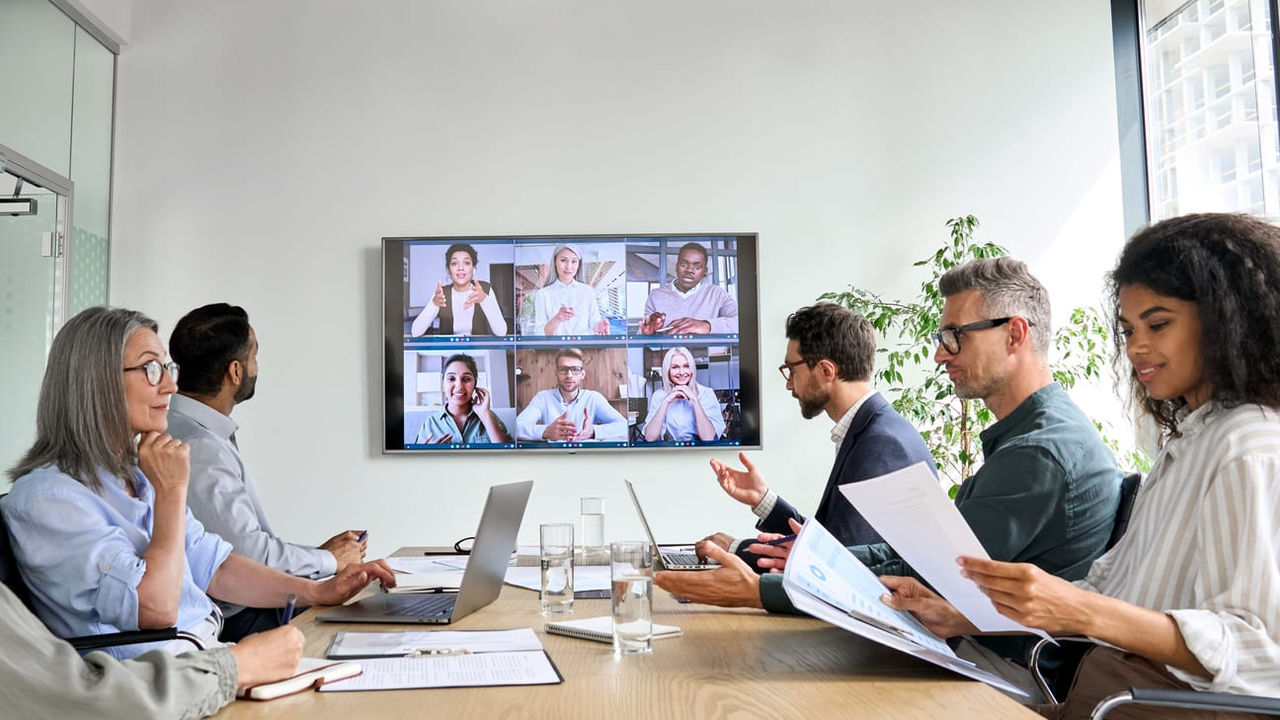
x=1203, y=546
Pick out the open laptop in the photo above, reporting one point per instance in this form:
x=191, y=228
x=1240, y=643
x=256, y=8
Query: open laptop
x=669, y=558
x=481, y=582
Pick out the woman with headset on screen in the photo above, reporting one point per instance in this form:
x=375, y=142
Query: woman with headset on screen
x=682, y=410
x=467, y=306
x=566, y=306
x=468, y=415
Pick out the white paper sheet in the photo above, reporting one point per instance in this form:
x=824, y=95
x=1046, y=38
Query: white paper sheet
x=347, y=645
x=585, y=577
x=826, y=581
x=428, y=563
x=912, y=513
x=478, y=670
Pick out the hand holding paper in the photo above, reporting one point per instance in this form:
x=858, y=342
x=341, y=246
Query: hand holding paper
x=912, y=514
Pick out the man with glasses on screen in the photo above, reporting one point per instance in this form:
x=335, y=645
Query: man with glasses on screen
x=688, y=306
x=570, y=412
x=1048, y=490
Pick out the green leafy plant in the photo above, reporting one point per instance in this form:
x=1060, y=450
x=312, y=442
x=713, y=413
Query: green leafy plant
x=919, y=388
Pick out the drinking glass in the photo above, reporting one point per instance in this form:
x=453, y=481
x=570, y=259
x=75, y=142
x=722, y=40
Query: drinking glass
x=631, y=570
x=556, y=557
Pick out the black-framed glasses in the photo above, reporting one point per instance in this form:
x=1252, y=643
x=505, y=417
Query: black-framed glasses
x=787, y=370
x=155, y=370
x=569, y=371
x=949, y=338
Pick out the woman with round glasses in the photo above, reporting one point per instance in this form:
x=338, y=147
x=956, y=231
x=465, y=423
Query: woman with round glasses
x=98, y=512
x=1187, y=599
x=468, y=415
x=682, y=410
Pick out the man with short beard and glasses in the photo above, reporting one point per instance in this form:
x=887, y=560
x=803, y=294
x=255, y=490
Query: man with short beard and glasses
x=1048, y=490
x=827, y=366
x=217, y=350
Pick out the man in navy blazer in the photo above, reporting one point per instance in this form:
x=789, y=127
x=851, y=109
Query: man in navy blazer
x=828, y=363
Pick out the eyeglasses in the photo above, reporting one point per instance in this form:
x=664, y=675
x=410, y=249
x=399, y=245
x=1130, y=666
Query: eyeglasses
x=949, y=338
x=155, y=370
x=786, y=368
x=569, y=371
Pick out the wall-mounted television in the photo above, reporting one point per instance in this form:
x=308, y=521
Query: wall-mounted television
x=570, y=342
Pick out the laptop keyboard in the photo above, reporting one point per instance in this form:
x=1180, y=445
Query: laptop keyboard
x=671, y=558
x=428, y=605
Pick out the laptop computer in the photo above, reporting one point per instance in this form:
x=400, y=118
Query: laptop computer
x=670, y=558
x=481, y=582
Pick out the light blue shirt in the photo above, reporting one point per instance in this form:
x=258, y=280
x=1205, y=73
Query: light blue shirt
x=224, y=496
x=81, y=554
x=441, y=423
x=680, y=424
x=547, y=405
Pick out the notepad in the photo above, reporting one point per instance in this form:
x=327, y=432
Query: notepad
x=310, y=673
x=600, y=629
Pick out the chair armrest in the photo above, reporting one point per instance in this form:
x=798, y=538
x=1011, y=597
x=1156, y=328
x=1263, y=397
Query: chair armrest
x=1033, y=662
x=1189, y=699
x=132, y=637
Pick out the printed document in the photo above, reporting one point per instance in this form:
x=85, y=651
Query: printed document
x=824, y=580
x=476, y=670
x=913, y=514
x=347, y=645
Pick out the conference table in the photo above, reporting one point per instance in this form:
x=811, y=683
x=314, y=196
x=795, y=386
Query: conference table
x=729, y=663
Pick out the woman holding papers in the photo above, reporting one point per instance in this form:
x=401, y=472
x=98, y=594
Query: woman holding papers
x=682, y=410
x=98, y=512
x=1188, y=597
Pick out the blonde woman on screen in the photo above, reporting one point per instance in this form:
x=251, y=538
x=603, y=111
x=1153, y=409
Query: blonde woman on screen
x=682, y=410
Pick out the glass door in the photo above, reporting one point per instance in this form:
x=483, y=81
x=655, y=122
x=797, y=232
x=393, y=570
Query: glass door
x=31, y=302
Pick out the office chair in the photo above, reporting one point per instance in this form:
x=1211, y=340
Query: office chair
x=12, y=578
x=1064, y=673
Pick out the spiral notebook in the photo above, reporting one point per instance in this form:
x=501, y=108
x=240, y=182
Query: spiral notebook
x=600, y=629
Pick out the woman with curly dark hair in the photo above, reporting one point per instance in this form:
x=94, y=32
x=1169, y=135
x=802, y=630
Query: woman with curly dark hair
x=1190, y=596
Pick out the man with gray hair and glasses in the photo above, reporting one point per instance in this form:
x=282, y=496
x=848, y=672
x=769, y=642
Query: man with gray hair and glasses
x=1049, y=488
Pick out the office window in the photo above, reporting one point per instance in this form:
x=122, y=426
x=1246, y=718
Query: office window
x=1208, y=85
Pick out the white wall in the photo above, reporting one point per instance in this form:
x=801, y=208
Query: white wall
x=264, y=148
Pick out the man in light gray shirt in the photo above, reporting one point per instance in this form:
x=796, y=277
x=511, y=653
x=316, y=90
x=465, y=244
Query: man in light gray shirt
x=688, y=306
x=218, y=352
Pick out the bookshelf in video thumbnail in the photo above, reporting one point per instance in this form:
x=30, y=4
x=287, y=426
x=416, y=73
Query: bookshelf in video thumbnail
x=570, y=342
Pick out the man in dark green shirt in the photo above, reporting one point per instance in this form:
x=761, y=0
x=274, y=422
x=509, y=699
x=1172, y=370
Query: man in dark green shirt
x=1048, y=490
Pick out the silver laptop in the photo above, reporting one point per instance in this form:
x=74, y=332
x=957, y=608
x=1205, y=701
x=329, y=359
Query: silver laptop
x=671, y=558
x=481, y=582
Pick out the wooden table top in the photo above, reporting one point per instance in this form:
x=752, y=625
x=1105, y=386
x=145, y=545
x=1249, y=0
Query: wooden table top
x=729, y=663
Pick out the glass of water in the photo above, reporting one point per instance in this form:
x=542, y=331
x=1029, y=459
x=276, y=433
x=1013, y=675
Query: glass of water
x=556, y=556
x=592, y=528
x=631, y=570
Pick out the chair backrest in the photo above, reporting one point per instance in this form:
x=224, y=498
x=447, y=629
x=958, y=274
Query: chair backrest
x=9, y=573
x=1128, y=492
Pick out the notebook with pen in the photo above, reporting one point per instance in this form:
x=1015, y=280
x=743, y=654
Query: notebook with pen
x=311, y=673
x=669, y=558
x=481, y=582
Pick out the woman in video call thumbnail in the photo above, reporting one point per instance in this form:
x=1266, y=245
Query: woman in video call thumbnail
x=468, y=415
x=682, y=410
x=567, y=306
x=479, y=313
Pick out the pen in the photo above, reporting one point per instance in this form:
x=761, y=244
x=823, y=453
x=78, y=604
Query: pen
x=287, y=614
x=779, y=541
x=363, y=534
x=437, y=652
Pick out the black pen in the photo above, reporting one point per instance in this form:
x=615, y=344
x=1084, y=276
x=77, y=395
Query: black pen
x=365, y=533
x=287, y=614
x=779, y=541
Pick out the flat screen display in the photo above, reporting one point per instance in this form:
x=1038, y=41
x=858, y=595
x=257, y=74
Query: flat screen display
x=601, y=342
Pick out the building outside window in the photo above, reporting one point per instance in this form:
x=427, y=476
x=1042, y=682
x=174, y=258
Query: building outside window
x=1208, y=85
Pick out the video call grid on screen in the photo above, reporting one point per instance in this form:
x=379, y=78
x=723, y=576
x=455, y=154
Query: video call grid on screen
x=509, y=291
